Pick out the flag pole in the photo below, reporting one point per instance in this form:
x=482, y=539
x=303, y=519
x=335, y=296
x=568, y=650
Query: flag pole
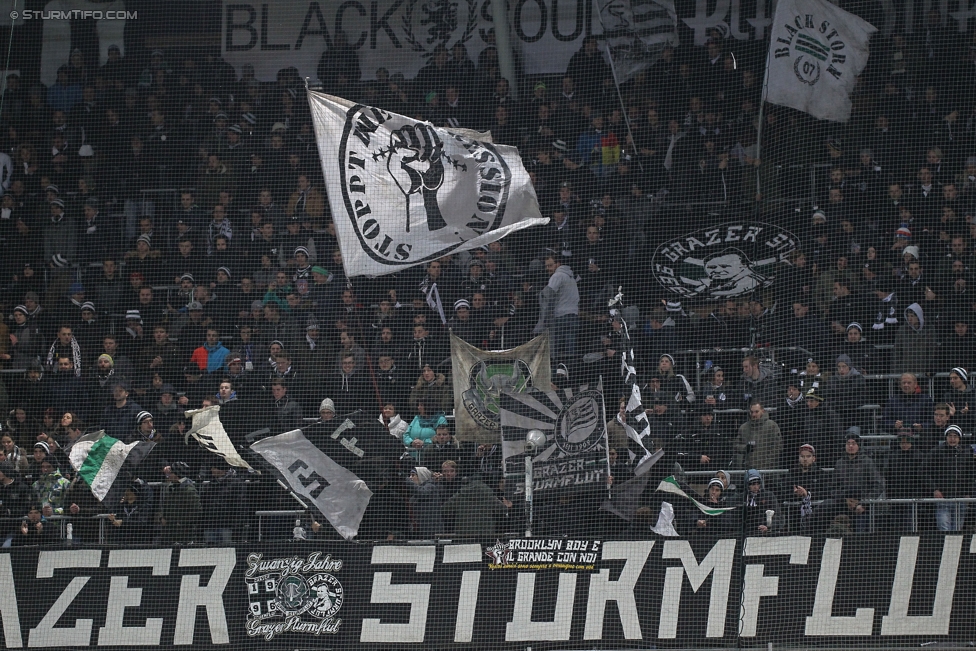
x=620, y=97
x=762, y=120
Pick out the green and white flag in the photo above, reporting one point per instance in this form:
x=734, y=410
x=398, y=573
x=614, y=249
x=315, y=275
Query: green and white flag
x=670, y=485
x=98, y=458
x=816, y=52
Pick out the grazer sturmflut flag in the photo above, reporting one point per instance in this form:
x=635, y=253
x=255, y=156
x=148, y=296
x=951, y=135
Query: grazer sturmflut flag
x=573, y=421
x=816, y=52
x=404, y=192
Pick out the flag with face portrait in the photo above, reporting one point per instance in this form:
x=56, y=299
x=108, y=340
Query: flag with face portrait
x=404, y=192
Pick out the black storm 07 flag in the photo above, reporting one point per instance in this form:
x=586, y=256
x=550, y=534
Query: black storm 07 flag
x=404, y=192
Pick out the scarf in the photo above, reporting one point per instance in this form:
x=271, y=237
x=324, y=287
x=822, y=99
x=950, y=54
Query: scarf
x=103, y=379
x=75, y=355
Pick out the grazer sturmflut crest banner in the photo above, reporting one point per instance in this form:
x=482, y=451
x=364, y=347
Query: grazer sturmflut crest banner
x=724, y=261
x=404, y=192
x=574, y=453
x=816, y=52
x=481, y=376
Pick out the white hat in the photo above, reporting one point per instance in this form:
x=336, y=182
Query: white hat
x=327, y=405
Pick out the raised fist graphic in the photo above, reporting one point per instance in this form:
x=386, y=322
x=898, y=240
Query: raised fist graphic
x=416, y=165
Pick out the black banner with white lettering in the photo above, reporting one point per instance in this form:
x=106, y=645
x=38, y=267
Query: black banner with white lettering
x=856, y=592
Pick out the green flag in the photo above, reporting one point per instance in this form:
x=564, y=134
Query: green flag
x=670, y=485
x=98, y=459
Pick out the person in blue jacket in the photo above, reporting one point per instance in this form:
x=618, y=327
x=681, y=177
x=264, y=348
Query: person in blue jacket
x=422, y=429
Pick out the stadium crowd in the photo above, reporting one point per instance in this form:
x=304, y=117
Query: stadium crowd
x=168, y=244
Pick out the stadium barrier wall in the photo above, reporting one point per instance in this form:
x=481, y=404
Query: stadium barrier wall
x=854, y=592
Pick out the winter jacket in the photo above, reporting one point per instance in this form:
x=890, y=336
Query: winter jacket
x=905, y=478
x=50, y=490
x=120, y=423
x=916, y=350
x=857, y=476
x=756, y=505
x=223, y=502
x=820, y=427
x=180, y=510
x=397, y=426
x=813, y=479
x=677, y=388
x=916, y=408
x=422, y=428
x=714, y=442
x=476, y=511
x=951, y=470
x=436, y=395
x=66, y=392
x=759, y=443
x=845, y=393
x=210, y=358
x=60, y=238
x=715, y=525
x=426, y=502
x=762, y=389
x=285, y=415
x=14, y=500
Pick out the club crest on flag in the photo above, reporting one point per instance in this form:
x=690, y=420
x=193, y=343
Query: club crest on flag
x=814, y=48
x=580, y=426
x=488, y=380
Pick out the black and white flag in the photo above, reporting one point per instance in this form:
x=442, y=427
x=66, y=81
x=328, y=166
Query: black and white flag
x=816, y=52
x=636, y=32
x=338, y=493
x=635, y=424
x=404, y=192
x=574, y=452
x=433, y=297
x=209, y=432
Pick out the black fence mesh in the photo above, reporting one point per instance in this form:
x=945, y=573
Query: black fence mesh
x=790, y=297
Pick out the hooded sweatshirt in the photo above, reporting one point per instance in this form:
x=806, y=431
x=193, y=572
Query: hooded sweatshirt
x=762, y=388
x=560, y=296
x=916, y=348
x=759, y=443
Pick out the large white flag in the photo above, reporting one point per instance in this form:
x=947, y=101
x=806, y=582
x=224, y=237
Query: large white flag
x=404, y=192
x=816, y=52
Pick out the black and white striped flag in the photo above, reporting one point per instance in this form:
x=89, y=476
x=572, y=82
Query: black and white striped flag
x=433, y=297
